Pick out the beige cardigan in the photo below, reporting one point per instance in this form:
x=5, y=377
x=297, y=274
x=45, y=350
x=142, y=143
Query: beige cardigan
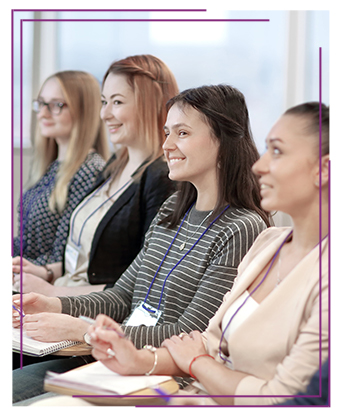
x=278, y=345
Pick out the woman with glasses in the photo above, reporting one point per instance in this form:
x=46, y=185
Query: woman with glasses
x=107, y=228
x=70, y=149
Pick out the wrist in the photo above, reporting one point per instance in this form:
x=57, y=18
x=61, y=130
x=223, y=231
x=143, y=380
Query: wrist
x=49, y=275
x=144, y=361
x=195, y=365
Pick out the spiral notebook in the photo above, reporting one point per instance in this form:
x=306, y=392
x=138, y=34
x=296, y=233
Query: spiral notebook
x=36, y=348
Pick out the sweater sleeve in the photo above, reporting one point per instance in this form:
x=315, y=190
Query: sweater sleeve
x=215, y=282
x=115, y=302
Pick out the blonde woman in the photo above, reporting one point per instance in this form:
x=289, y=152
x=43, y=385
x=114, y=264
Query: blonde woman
x=107, y=228
x=70, y=149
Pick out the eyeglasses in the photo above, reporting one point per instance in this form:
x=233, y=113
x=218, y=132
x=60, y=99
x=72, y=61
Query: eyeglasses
x=54, y=107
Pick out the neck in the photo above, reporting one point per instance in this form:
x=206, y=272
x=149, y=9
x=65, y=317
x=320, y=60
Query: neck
x=306, y=229
x=206, y=200
x=135, y=158
x=62, y=148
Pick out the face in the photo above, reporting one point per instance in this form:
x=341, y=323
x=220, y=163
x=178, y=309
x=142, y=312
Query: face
x=190, y=148
x=119, y=110
x=51, y=125
x=288, y=169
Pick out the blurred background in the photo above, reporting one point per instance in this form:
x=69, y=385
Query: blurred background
x=274, y=63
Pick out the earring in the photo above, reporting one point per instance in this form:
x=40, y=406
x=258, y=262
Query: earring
x=317, y=183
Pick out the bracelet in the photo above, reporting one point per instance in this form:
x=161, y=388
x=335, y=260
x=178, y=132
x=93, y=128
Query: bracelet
x=196, y=357
x=153, y=350
x=50, y=275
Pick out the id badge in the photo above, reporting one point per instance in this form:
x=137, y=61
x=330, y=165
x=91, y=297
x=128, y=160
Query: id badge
x=71, y=257
x=141, y=316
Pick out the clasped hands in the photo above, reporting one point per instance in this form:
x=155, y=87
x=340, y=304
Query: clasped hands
x=128, y=360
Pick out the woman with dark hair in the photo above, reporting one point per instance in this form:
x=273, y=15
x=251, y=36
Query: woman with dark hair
x=270, y=334
x=190, y=255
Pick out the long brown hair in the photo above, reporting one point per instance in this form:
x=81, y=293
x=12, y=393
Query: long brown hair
x=153, y=85
x=82, y=95
x=224, y=109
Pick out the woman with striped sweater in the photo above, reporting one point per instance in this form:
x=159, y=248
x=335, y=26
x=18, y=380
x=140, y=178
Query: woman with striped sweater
x=193, y=246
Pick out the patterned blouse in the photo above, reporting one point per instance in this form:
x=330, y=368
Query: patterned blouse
x=44, y=232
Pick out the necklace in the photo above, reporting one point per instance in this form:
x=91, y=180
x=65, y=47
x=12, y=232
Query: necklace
x=182, y=245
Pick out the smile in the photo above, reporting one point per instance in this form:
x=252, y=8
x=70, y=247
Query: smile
x=264, y=186
x=173, y=161
x=114, y=128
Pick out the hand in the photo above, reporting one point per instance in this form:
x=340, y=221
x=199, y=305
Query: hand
x=28, y=267
x=184, y=349
x=52, y=327
x=105, y=334
x=34, y=303
x=32, y=283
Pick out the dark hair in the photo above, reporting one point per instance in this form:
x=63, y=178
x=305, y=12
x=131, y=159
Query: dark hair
x=312, y=111
x=224, y=110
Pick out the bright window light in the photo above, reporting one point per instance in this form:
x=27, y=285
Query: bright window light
x=189, y=33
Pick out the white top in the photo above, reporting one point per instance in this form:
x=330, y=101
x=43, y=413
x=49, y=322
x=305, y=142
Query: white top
x=79, y=217
x=245, y=311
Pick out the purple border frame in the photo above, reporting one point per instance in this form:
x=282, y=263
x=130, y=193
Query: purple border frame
x=21, y=169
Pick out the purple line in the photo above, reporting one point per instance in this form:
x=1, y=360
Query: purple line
x=329, y=288
x=12, y=134
x=21, y=189
x=109, y=10
x=320, y=221
x=146, y=20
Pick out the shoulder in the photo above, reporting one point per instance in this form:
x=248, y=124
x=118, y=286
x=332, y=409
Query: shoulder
x=94, y=160
x=242, y=219
x=91, y=167
x=157, y=169
x=167, y=207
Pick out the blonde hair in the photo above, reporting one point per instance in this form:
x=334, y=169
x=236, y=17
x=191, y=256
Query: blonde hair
x=82, y=95
x=153, y=85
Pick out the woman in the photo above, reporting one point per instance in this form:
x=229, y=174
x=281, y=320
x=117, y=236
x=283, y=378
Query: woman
x=107, y=229
x=192, y=247
x=70, y=149
x=269, y=335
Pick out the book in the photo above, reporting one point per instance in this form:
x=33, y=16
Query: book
x=35, y=347
x=96, y=379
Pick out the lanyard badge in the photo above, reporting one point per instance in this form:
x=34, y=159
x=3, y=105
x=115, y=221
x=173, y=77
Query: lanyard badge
x=143, y=314
x=71, y=257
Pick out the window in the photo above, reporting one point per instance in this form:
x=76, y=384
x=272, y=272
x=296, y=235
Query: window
x=252, y=56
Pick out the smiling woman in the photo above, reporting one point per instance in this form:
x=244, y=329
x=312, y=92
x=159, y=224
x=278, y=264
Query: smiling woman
x=187, y=263
x=70, y=149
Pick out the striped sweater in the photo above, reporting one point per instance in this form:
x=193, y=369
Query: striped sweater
x=195, y=288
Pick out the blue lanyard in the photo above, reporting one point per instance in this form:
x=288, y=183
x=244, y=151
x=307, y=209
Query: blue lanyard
x=155, y=275
x=91, y=214
x=223, y=357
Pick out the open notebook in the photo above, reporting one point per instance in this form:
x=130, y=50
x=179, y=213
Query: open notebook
x=36, y=348
x=96, y=379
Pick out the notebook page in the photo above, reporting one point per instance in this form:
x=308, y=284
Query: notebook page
x=98, y=379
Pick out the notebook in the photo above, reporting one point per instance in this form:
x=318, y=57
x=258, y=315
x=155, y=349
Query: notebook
x=97, y=379
x=36, y=348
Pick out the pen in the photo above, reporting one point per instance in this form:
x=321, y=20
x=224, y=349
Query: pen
x=162, y=393
x=92, y=321
x=15, y=308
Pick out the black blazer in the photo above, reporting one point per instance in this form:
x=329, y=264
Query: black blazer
x=120, y=234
